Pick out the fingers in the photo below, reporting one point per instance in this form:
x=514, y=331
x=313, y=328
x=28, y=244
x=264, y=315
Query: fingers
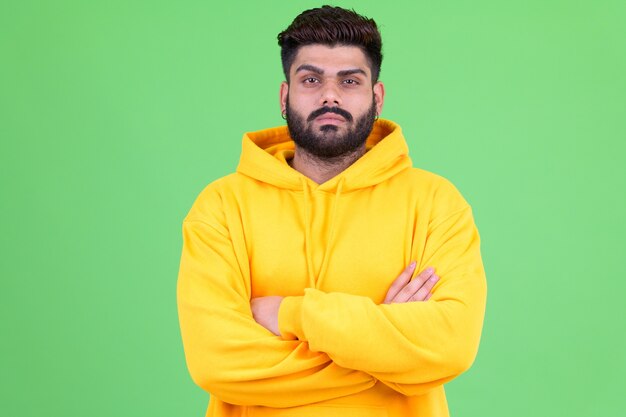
x=424, y=293
x=418, y=289
x=400, y=282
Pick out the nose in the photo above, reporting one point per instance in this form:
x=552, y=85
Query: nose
x=330, y=96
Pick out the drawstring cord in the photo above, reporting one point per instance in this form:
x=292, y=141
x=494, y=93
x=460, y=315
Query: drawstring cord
x=307, y=234
x=331, y=236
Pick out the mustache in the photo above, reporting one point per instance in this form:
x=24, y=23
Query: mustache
x=324, y=110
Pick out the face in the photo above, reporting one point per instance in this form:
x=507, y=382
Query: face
x=330, y=101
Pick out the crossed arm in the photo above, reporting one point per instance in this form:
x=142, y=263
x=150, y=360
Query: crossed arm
x=402, y=290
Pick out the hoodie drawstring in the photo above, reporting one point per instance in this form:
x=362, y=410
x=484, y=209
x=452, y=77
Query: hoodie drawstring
x=331, y=236
x=307, y=233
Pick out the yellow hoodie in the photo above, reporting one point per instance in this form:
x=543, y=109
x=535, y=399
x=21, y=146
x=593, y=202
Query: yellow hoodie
x=332, y=250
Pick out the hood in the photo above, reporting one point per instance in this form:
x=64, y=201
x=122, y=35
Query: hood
x=265, y=154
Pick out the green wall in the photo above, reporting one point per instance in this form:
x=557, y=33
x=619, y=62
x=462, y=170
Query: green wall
x=115, y=114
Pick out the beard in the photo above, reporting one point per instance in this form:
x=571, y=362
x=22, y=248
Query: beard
x=328, y=142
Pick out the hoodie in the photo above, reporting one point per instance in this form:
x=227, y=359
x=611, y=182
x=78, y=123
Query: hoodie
x=332, y=250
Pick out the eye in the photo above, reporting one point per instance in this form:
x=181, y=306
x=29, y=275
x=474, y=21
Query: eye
x=350, y=81
x=310, y=80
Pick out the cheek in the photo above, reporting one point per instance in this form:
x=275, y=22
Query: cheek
x=298, y=110
x=360, y=106
x=300, y=100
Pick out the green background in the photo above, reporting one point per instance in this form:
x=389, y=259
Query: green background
x=115, y=114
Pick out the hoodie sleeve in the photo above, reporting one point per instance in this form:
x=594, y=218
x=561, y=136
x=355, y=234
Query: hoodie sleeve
x=411, y=347
x=231, y=356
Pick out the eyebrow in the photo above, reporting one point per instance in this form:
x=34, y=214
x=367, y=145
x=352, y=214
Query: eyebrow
x=317, y=70
x=351, y=71
x=312, y=68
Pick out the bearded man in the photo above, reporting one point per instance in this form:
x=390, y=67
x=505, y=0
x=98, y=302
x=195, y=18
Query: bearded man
x=327, y=276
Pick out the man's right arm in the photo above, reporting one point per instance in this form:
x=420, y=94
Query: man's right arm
x=230, y=355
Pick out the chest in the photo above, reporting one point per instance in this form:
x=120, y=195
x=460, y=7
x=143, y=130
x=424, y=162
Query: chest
x=354, y=243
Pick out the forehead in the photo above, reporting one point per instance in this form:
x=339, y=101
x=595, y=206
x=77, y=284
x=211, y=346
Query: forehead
x=331, y=59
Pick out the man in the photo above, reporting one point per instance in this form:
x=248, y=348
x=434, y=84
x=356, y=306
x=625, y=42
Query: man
x=299, y=292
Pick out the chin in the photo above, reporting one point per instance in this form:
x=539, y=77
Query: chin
x=329, y=128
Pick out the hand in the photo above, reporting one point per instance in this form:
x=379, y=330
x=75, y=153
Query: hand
x=404, y=290
x=265, y=312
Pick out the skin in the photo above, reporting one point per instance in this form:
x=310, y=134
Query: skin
x=336, y=76
x=323, y=76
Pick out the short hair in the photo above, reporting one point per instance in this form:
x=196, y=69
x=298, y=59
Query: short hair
x=332, y=26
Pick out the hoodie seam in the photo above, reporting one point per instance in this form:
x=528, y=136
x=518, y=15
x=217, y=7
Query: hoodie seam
x=195, y=220
x=436, y=222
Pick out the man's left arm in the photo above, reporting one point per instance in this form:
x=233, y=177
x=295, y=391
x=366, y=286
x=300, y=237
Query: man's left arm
x=412, y=346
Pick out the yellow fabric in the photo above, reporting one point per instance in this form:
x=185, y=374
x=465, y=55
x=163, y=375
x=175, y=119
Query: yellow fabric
x=333, y=250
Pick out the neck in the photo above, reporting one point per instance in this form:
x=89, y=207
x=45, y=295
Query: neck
x=321, y=170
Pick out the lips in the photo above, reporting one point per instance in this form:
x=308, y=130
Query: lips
x=330, y=118
x=334, y=115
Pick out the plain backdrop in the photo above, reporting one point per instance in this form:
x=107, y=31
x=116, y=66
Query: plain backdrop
x=115, y=114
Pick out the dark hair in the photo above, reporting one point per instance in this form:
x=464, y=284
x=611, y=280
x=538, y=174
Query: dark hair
x=331, y=26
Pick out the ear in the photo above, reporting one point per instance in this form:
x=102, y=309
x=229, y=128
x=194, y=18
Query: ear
x=379, y=97
x=284, y=92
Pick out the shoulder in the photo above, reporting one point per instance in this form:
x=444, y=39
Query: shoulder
x=210, y=202
x=430, y=182
x=436, y=191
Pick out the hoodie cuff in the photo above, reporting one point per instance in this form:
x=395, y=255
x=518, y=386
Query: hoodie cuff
x=290, y=318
